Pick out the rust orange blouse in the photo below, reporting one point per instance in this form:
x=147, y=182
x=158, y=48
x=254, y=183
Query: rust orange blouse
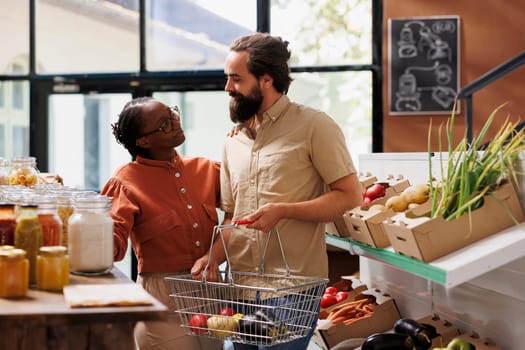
x=166, y=208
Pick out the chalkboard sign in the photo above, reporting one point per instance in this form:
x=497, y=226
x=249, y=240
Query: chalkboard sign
x=423, y=65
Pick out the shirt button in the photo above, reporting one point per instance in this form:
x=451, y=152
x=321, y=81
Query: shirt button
x=189, y=206
x=198, y=243
x=183, y=190
x=195, y=225
x=177, y=174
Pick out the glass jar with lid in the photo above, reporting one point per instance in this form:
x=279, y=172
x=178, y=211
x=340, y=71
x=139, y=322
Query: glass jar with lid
x=28, y=235
x=64, y=210
x=50, y=222
x=23, y=171
x=4, y=171
x=90, y=241
x=7, y=224
x=52, y=268
x=14, y=273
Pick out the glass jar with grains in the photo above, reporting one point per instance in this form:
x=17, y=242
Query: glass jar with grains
x=90, y=240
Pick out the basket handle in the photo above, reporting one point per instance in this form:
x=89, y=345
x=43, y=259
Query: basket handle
x=278, y=235
x=217, y=231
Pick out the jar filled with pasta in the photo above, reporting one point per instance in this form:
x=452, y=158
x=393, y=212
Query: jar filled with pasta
x=23, y=171
x=4, y=171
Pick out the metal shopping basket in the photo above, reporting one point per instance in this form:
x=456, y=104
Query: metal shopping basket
x=250, y=308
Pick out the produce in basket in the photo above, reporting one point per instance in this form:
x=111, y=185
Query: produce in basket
x=224, y=326
x=198, y=323
x=261, y=324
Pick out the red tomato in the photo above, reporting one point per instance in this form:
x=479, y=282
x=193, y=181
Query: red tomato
x=375, y=191
x=226, y=311
x=341, y=296
x=331, y=290
x=197, y=322
x=328, y=300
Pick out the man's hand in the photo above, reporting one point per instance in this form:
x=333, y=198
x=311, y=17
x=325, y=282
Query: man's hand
x=266, y=217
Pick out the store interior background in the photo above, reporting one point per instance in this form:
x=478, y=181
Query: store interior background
x=88, y=65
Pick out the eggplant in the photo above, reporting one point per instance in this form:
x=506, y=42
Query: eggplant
x=421, y=333
x=262, y=323
x=388, y=341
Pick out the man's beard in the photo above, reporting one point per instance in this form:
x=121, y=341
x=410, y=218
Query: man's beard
x=242, y=108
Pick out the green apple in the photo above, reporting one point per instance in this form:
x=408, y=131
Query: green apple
x=459, y=344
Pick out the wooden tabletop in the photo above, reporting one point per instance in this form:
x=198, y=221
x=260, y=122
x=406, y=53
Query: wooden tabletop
x=50, y=308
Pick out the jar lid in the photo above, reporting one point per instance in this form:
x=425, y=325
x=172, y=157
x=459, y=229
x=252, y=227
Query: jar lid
x=12, y=253
x=6, y=247
x=53, y=250
x=7, y=205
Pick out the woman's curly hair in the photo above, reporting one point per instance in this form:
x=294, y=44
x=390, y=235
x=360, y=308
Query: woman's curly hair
x=128, y=127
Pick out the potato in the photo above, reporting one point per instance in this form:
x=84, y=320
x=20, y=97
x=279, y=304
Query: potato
x=416, y=194
x=396, y=203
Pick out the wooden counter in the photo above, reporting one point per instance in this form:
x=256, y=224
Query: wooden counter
x=42, y=320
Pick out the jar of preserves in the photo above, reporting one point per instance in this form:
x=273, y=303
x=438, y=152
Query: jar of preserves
x=23, y=171
x=90, y=240
x=50, y=222
x=7, y=224
x=4, y=171
x=28, y=236
x=14, y=273
x=52, y=268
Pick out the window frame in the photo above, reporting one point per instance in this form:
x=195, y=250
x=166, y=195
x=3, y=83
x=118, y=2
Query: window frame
x=144, y=83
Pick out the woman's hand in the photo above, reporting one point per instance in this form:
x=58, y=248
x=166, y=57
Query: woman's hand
x=200, y=265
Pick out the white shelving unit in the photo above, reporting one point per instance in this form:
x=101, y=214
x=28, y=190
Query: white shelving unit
x=453, y=269
x=479, y=288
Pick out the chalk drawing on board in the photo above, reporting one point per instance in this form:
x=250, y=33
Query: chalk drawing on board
x=423, y=62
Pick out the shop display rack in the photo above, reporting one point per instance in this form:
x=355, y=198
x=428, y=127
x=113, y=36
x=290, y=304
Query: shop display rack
x=455, y=268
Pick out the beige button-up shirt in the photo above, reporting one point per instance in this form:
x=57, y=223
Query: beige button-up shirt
x=297, y=152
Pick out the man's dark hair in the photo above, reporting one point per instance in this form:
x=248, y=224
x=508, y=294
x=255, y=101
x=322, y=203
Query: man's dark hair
x=267, y=55
x=128, y=127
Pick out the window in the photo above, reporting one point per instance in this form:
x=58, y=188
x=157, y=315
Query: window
x=91, y=57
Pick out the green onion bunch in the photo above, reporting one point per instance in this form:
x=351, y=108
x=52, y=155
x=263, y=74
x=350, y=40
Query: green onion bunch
x=469, y=173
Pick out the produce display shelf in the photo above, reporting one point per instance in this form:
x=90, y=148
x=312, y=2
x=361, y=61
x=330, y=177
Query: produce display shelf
x=455, y=268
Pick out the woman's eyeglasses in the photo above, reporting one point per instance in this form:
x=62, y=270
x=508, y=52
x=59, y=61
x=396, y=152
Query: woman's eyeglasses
x=167, y=124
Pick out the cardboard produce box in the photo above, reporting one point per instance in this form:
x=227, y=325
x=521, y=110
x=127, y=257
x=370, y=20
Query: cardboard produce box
x=446, y=330
x=427, y=239
x=385, y=314
x=365, y=224
x=340, y=226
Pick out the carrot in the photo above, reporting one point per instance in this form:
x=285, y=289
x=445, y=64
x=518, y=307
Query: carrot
x=352, y=320
x=341, y=311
